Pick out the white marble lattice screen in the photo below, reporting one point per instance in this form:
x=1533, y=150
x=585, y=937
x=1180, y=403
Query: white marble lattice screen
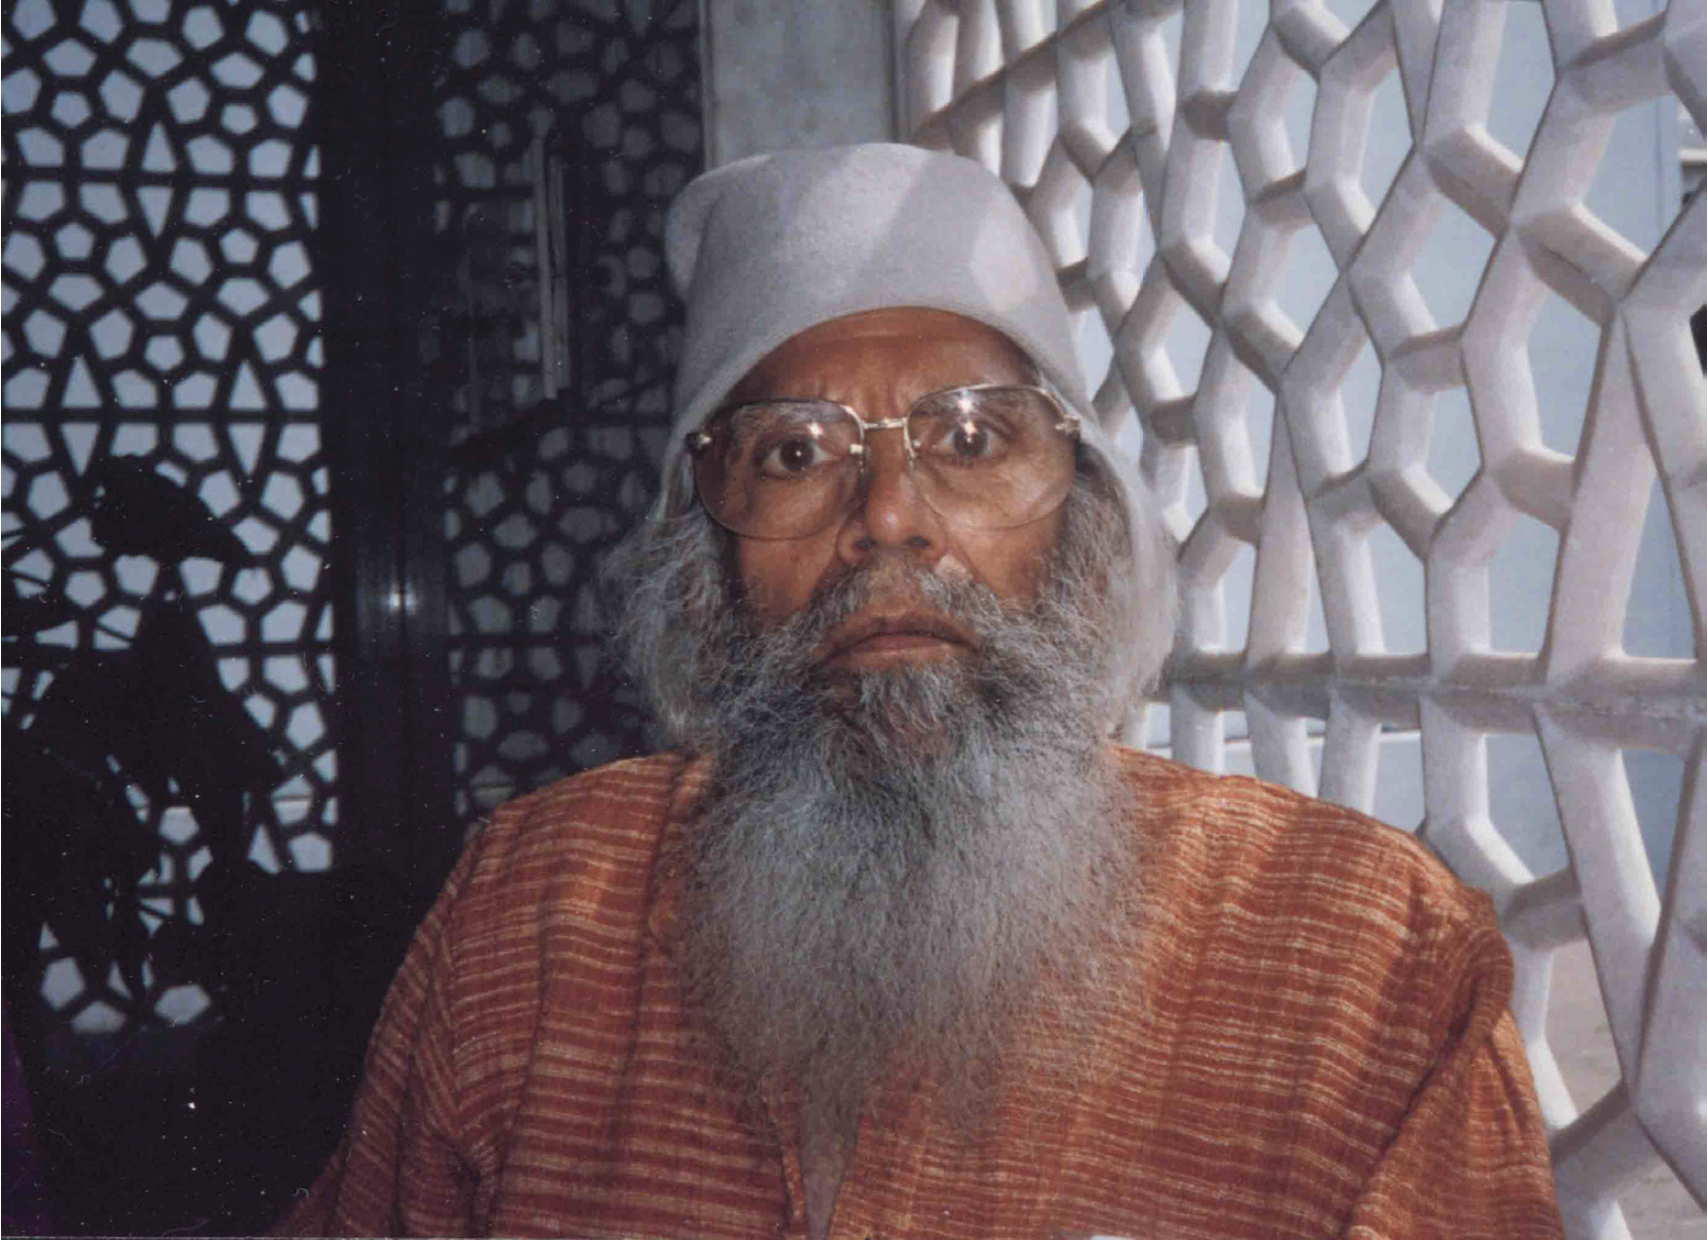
x=1330, y=339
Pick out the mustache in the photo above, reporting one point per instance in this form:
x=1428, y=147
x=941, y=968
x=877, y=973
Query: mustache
x=962, y=609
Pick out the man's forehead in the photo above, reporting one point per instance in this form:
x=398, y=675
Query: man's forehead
x=924, y=336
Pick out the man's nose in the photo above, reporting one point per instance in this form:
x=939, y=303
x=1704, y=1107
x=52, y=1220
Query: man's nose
x=891, y=511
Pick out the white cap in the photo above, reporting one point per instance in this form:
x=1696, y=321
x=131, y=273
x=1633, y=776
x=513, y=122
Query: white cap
x=767, y=247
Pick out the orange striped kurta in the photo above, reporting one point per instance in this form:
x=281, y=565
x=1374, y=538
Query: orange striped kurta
x=1319, y=1046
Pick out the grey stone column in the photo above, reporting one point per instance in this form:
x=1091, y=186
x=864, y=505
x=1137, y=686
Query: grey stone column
x=782, y=73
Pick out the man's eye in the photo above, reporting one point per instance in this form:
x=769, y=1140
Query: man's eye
x=791, y=457
x=971, y=439
x=965, y=440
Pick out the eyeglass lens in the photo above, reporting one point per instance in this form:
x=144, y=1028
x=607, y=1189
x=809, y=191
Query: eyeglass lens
x=987, y=458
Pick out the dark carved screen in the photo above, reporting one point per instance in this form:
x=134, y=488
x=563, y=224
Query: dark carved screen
x=168, y=656
x=568, y=128
x=199, y=916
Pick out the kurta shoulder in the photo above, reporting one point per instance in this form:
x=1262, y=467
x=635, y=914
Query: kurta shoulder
x=1322, y=986
x=1239, y=825
x=596, y=811
x=648, y=779
x=582, y=849
x=1243, y=870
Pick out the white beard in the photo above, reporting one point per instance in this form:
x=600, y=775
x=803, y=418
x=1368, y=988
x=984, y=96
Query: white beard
x=891, y=860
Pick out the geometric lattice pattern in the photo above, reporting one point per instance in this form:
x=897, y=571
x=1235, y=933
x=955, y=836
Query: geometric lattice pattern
x=604, y=98
x=165, y=487
x=1326, y=264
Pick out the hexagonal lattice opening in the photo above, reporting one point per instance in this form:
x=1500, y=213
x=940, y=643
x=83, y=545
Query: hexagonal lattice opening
x=237, y=69
x=1185, y=345
x=1360, y=388
x=1236, y=588
x=1288, y=594
x=1179, y=488
x=207, y=207
x=1521, y=801
x=1388, y=138
x=210, y=154
x=1453, y=458
x=1563, y=350
x=1216, y=588
x=1628, y=158
x=1403, y=487
x=1449, y=264
x=1232, y=414
x=1521, y=581
x=266, y=32
x=1523, y=77
x=1656, y=782
x=287, y=105
x=1257, y=423
x=1398, y=797
x=75, y=292
x=1229, y=215
x=1657, y=609
x=1399, y=591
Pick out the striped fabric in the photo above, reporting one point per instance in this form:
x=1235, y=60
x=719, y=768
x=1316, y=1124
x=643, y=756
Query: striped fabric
x=1317, y=1044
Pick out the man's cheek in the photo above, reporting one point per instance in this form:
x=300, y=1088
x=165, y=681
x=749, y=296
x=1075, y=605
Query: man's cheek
x=780, y=578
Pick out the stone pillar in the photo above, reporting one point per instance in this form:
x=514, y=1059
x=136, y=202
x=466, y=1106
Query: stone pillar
x=782, y=73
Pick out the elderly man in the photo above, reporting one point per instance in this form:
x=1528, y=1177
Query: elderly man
x=898, y=943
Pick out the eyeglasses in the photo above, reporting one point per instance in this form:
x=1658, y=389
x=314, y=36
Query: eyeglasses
x=987, y=456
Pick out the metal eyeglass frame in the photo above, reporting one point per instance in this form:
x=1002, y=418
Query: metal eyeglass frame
x=697, y=441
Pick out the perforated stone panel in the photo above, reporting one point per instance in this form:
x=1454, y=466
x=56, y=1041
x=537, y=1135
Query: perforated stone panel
x=540, y=483
x=1325, y=259
x=160, y=305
